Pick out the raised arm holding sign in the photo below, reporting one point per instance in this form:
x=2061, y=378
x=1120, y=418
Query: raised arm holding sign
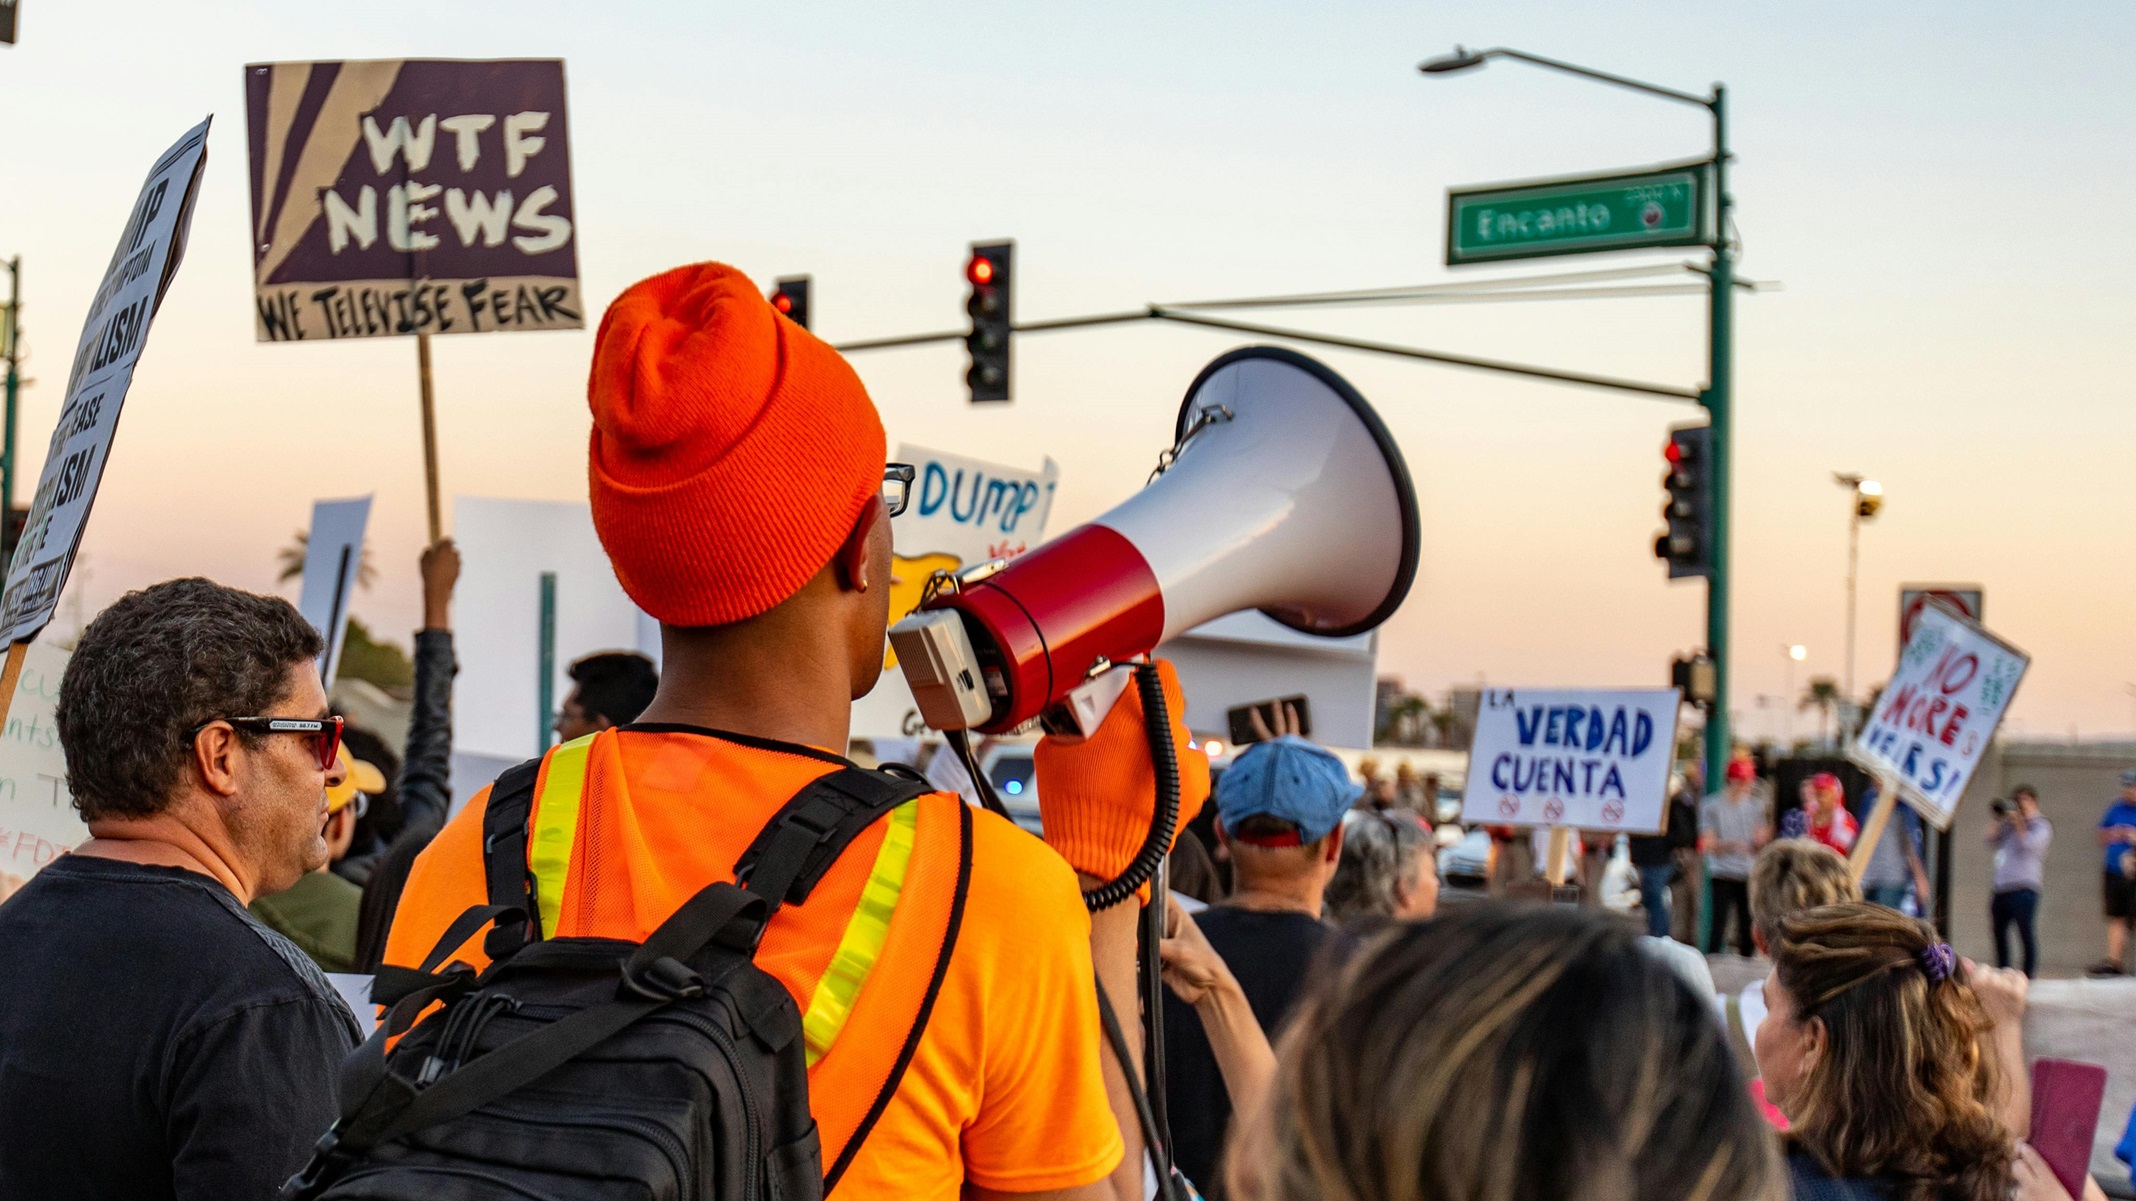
x=112, y=338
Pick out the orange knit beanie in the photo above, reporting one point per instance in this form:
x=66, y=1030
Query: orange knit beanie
x=732, y=450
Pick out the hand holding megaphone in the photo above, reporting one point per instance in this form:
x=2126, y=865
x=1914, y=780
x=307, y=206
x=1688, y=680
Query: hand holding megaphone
x=1282, y=492
x=1098, y=793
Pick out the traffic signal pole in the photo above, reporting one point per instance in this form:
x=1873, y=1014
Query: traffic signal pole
x=1717, y=399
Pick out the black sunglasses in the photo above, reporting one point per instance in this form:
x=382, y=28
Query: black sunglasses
x=897, y=486
x=325, y=732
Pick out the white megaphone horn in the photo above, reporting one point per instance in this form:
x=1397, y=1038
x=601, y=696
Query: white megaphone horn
x=1283, y=492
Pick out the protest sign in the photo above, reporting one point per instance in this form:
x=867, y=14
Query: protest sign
x=333, y=560
x=37, y=819
x=506, y=547
x=962, y=512
x=410, y=196
x=1935, y=718
x=1587, y=758
x=972, y=510
x=112, y=338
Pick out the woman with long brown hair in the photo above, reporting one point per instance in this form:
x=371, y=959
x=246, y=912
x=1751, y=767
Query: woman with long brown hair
x=1872, y=1047
x=1498, y=1053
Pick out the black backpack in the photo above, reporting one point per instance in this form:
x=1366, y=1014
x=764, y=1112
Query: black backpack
x=576, y=1069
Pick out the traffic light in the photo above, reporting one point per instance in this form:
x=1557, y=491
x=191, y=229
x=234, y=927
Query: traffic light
x=1694, y=678
x=790, y=296
x=988, y=272
x=1687, y=544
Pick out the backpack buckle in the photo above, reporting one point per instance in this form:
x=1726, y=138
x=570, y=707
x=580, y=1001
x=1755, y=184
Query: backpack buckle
x=665, y=979
x=315, y=1171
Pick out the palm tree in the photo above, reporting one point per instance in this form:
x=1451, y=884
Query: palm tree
x=292, y=560
x=1823, y=696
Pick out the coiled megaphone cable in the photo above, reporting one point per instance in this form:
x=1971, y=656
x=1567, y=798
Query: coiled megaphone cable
x=1164, y=819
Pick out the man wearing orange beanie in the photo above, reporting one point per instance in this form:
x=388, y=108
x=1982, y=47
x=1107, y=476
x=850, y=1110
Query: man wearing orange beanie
x=738, y=484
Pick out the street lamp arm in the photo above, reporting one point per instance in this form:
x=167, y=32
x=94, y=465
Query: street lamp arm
x=1622, y=81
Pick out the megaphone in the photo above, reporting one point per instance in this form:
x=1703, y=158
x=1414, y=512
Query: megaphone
x=1282, y=492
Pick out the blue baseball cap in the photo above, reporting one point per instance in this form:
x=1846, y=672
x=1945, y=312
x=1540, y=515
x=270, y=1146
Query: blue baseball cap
x=1287, y=778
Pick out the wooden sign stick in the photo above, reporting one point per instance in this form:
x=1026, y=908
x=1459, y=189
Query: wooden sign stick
x=1560, y=851
x=430, y=437
x=1887, y=797
x=10, y=676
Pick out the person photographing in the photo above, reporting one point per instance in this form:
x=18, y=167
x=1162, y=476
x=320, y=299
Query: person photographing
x=2019, y=837
x=945, y=964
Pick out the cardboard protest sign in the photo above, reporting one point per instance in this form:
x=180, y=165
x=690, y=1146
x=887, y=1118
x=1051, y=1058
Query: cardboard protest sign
x=333, y=560
x=37, y=819
x=410, y=196
x=1935, y=718
x=112, y=339
x=1594, y=759
x=506, y=547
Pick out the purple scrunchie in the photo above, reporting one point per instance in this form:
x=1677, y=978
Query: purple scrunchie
x=1938, y=960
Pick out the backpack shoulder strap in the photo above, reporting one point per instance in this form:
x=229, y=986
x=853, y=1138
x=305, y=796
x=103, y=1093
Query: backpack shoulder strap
x=504, y=835
x=927, y=1003
x=806, y=836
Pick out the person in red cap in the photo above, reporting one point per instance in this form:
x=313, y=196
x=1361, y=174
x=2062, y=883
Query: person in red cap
x=739, y=485
x=1732, y=825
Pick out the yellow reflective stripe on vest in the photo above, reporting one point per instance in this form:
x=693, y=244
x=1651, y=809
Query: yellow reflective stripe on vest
x=865, y=934
x=555, y=833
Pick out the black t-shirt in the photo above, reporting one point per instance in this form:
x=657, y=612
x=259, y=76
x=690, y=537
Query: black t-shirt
x=1271, y=954
x=156, y=1041
x=1658, y=850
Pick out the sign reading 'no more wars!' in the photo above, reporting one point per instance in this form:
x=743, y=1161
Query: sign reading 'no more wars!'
x=1934, y=720
x=410, y=196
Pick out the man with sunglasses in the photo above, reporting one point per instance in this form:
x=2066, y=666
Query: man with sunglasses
x=155, y=1040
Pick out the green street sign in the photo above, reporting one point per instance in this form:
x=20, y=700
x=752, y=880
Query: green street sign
x=1667, y=207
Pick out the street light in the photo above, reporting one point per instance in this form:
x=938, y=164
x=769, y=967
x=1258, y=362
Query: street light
x=1720, y=326
x=1796, y=653
x=1868, y=497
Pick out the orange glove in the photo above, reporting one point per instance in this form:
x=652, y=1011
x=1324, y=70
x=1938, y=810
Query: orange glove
x=1096, y=794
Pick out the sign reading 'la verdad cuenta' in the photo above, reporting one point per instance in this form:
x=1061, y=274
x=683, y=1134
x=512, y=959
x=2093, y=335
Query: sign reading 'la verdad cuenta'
x=410, y=196
x=1595, y=759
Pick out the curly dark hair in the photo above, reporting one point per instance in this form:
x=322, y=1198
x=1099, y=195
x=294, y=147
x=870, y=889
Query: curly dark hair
x=155, y=666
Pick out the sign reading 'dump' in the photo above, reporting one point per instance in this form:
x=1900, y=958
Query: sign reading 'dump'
x=1666, y=207
x=1595, y=759
x=410, y=196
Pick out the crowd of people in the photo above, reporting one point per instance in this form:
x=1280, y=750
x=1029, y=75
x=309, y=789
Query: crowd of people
x=956, y=998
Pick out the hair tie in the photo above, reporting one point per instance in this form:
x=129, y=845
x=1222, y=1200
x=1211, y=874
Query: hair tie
x=1937, y=959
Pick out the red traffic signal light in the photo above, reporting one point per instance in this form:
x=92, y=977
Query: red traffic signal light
x=980, y=270
x=790, y=297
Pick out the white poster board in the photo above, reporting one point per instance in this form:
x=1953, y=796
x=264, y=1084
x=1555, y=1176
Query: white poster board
x=333, y=558
x=505, y=548
x=962, y=512
x=112, y=339
x=1936, y=717
x=37, y=819
x=1595, y=759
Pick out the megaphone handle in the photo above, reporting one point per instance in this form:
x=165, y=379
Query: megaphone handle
x=1164, y=817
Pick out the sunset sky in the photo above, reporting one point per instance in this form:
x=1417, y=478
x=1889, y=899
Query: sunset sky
x=1942, y=189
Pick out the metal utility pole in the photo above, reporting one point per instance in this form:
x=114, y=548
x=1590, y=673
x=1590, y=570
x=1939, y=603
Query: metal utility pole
x=12, y=349
x=1717, y=396
x=1868, y=498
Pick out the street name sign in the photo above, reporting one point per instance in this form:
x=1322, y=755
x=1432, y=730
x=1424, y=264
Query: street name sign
x=1938, y=714
x=1667, y=206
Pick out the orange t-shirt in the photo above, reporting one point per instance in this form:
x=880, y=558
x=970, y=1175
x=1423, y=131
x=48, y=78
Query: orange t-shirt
x=1004, y=1089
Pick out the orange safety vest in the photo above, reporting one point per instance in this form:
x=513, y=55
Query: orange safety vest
x=611, y=853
